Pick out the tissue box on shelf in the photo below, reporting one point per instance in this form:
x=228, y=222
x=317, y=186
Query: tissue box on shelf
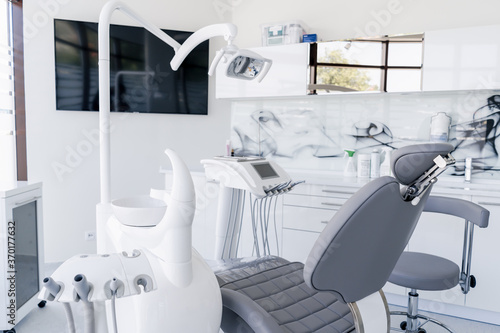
x=282, y=33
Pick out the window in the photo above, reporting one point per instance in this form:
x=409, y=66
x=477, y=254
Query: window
x=7, y=110
x=371, y=64
x=13, y=164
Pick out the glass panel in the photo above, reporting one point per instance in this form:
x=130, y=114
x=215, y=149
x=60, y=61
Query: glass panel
x=26, y=252
x=68, y=32
x=405, y=54
x=355, y=53
x=404, y=80
x=358, y=79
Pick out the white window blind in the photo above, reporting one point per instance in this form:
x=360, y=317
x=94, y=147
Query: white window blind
x=7, y=107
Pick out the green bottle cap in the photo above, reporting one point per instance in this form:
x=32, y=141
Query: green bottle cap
x=350, y=152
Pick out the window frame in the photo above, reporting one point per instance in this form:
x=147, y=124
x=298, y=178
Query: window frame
x=385, y=41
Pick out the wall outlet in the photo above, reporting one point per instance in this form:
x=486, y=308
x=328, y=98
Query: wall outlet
x=90, y=236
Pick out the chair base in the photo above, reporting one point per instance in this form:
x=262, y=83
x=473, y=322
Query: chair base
x=419, y=325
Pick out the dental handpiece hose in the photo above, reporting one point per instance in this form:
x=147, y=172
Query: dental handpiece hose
x=82, y=288
x=114, y=285
x=53, y=287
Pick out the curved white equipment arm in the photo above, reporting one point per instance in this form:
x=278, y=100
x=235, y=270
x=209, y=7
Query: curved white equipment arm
x=371, y=314
x=227, y=30
x=104, y=86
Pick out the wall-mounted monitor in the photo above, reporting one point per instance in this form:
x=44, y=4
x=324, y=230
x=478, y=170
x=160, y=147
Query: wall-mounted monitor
x=141, y=78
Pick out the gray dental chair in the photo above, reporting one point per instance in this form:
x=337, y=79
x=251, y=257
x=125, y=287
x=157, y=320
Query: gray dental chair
x=339, y=287
x=421, y=271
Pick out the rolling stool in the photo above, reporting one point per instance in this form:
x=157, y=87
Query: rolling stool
x=421, y=271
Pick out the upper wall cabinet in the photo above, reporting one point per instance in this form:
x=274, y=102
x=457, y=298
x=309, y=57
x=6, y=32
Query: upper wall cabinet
x=287, y=76
x=462, y=59
x=453, y=59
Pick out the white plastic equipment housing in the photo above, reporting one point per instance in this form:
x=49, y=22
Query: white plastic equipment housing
x=241, y=173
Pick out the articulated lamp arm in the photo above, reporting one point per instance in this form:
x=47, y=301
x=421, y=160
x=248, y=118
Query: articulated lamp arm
x=227, y=30
x=243, y=65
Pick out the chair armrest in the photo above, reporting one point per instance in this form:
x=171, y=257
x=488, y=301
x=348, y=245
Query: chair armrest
x=458, y=207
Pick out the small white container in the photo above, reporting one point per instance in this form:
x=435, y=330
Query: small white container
x=468, y=169
x=440, y=127
x=375, y=164
x=364, y=165
x=385, y=167
x=282, y=33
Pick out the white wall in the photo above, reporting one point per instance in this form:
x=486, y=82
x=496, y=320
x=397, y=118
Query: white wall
x=348, y=19
x=63, y=146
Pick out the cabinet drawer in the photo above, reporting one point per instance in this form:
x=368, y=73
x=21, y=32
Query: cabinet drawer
x=314, y=201
x=325, y=190
x=297, y=244
x=305, y=218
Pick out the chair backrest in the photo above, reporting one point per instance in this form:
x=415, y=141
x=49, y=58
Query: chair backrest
x=358, y=249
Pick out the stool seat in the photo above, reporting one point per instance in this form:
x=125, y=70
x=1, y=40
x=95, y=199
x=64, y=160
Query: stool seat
x=423, y=271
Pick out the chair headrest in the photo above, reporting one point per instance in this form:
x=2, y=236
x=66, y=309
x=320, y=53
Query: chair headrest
x=411, y=162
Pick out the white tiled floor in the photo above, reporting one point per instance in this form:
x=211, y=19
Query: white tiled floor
x=458, y=325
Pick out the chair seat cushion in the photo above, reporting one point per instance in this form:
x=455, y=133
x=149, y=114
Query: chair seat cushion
x=281, y=291
x=423, y=271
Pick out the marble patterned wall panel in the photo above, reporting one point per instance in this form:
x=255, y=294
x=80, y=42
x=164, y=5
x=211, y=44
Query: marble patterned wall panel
x=312, y=132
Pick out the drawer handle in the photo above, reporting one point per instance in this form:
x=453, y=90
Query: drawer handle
x=331, y=204
x=26, y=201
x=325, y=222
x=341, y=192
x=488, y=203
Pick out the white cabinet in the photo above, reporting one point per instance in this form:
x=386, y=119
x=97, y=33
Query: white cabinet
x=462, y=59
x=21, y=251
x=287, y=76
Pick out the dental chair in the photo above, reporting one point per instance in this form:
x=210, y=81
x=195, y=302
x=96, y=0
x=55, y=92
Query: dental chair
x=421, y=271
x=339, y=289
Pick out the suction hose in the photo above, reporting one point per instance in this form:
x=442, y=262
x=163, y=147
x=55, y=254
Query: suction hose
x=82, y=288
x=53, y=287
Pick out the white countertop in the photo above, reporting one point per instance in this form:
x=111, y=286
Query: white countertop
x=444, y=185
x=10, y=189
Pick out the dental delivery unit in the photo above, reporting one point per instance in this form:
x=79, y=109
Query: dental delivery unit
x=145, y=258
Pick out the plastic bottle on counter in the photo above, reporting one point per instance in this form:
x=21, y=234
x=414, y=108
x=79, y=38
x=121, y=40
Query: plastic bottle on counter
x=375, y=164
x=350, y=167
x=440, y=127
x=385, y=167
x=364, y=165
x=468, y=169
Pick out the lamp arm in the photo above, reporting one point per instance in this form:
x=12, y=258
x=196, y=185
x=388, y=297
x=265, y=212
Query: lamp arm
x=104, y=85
x=228, y=30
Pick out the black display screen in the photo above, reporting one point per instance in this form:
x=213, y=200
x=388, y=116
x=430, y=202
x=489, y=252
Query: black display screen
x=26, y=254
x=265, y=170
x=141, y=79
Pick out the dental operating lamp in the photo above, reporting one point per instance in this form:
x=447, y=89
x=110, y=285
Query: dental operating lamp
x=145, y=260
